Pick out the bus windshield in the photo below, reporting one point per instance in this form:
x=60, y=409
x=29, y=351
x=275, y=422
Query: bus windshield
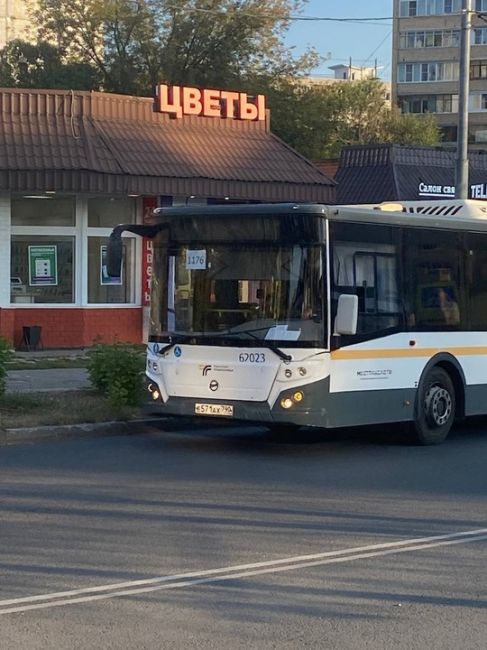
x=245, y=291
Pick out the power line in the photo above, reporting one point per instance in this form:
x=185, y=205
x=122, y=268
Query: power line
x=378, y=21
x=378, y=47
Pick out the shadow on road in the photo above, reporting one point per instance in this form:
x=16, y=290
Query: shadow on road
x=241, y=433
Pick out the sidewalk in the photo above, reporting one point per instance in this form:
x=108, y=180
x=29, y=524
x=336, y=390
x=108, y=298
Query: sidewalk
x=43, y=381
x=32, y=380
x=57, y=380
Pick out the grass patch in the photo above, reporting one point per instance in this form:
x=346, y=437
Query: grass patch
x=46, y=363
x=73, y=407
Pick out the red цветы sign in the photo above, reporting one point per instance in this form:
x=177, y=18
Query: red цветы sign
x=149, y=204
x=182, y=100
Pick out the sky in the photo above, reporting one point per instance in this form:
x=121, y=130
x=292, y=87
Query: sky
x=337, y=42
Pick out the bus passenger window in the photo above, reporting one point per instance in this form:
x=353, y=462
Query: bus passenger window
x=369, y=270
x=433, y=269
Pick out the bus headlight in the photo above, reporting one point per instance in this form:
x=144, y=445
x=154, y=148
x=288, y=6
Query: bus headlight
x=154, y=391
x=288, y=402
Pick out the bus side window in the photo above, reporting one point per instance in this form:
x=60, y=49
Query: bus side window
x=435, y=276
x=370, y=271
x=476, y=280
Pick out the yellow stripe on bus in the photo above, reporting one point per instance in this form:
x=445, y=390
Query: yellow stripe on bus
x=409, y=352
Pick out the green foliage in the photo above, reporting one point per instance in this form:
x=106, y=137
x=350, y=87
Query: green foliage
x=134, y=44
x=116, y=371
x=6, y=354
x=129, y=46
x=318, y=120
x=41, y=65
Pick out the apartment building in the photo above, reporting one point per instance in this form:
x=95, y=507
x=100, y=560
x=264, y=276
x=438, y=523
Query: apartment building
x=425, y=64
x=14, y=20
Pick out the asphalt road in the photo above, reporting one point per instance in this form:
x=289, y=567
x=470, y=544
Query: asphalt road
x=231, y=538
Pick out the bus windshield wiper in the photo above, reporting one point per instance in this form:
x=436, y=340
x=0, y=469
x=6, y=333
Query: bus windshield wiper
x=267, y=344
x=173, y=340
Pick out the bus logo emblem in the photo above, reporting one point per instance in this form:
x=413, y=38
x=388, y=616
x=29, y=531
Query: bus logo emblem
x=206, y=370
x=177, y=351
x=214, y=385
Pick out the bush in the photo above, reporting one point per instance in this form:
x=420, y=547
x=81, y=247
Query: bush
x=6, y=354
x=116, y=371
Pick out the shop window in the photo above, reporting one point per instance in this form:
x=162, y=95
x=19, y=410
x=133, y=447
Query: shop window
x=107, y=212
x=42, y=269
x=43, y=210
x=103, y=289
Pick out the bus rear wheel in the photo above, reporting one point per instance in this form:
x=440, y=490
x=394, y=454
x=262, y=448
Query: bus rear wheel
x=435, y=410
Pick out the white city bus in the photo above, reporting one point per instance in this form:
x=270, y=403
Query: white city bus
x=315, y=315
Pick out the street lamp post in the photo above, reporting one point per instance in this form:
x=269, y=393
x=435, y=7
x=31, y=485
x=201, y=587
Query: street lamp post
x=461, y=174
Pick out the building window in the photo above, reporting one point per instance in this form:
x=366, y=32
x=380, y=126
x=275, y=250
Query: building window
x=480, y=36
x=43, y=210
x=427, y=72
x=432, y=7
x=478, y=69
x=478, y=135
x=437, y=38
x=448, y=133
x=42, y=269
x=107, y=212
x=103, y=289
x=480, y=5
x=429, y=104
x=477, y=102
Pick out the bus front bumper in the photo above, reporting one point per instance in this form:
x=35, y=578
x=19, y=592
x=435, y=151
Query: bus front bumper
x=299, y=412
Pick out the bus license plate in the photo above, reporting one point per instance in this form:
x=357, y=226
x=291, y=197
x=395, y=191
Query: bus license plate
x=214, y=409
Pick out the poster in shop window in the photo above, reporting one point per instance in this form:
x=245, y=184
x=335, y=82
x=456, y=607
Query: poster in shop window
x=43, y=266
x=104, y=277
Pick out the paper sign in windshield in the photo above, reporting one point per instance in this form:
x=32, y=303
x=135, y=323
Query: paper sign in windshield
x=281, y=333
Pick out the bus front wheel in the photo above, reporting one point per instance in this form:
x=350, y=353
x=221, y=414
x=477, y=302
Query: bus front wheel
x=435, y=409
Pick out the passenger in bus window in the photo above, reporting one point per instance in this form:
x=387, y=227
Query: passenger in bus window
x=449, y=307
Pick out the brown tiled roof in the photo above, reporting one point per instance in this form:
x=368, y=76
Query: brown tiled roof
x=328, y=167
x=97, y=142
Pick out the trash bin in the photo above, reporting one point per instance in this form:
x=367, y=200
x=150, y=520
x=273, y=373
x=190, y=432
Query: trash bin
x=31, y=337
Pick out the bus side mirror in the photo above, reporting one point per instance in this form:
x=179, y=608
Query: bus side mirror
x=114, y=254
x=347, y=314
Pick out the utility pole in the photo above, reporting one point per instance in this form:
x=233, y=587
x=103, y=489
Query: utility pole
x=461, y=172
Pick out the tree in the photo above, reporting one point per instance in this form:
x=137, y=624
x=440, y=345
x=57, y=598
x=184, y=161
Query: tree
x=319, y=120
x=134, y=44
x=129, y=46
x=410, y=129
x=41, y=66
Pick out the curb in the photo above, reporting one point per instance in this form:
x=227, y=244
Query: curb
x=26, y=435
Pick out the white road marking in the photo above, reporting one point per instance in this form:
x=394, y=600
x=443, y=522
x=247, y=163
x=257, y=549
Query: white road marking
x=117, y=590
